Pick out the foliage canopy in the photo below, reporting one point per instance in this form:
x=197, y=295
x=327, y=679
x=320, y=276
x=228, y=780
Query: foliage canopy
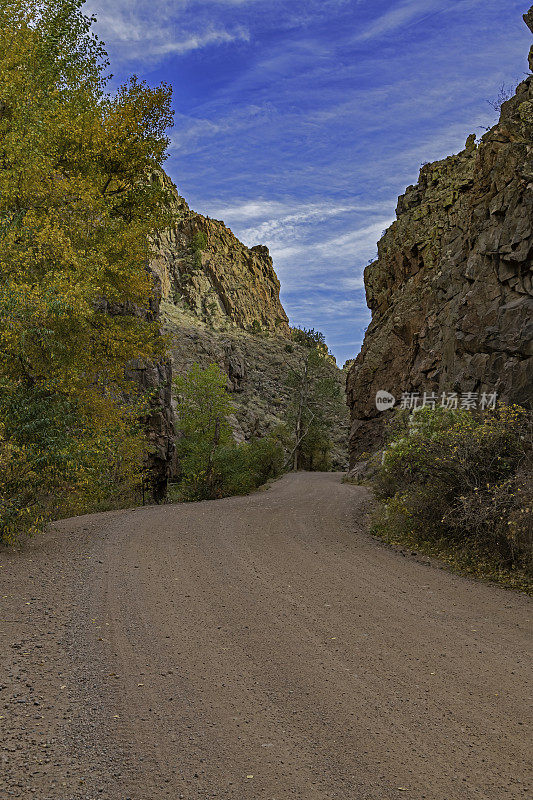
x=77, y=209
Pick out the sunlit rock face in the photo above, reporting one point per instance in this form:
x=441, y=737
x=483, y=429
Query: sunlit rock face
x=205, y=269
x=450, y=292
x=219, y=303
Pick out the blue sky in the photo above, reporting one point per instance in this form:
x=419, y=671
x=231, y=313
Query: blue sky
x=298, y=122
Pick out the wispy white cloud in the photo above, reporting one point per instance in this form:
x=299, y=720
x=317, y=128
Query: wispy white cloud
x=196, y=41
x=277, y=221
x=397, y=17
x=151, y=31
x=291, y=212
x=409, y=12
x=355, y=246
x=194, y=132
x=352, y=282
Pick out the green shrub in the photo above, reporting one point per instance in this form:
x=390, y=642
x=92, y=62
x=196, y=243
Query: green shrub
x=20, y=513
x=199, y=241
x=211, y=463
x=308, y=337
x=235, y=469
x=315, y=451
x=462, y=479
x=198, y=245
x=54, y=461
x=312, y=339
x=265, y=459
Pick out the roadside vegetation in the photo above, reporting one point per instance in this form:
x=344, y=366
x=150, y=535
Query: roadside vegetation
x=316, y=404
x=212, y=464
x=76, y=215
x=458, y=484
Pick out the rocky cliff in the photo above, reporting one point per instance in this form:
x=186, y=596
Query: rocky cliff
x=204, y=268
x=220, y=304
x=450, y=291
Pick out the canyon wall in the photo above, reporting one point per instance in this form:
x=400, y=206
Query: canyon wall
x=450, y=292
x=218, y=302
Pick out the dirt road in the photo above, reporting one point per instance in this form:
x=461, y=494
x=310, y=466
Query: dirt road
x=255, y=648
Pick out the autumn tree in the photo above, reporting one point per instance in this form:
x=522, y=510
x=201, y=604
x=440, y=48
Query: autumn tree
x=77, y=210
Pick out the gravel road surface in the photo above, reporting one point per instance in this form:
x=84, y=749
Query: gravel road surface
x=255, y=648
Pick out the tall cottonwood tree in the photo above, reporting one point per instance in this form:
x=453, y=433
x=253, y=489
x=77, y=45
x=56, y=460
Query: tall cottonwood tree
x=314, y=406
x=77, y=210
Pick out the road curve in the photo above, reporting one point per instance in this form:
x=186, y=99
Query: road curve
x=255, y=648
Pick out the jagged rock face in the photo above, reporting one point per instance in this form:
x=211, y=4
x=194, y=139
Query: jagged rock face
x=257, y=366
x=217, y=301
x=450, y=292
x=205, y=268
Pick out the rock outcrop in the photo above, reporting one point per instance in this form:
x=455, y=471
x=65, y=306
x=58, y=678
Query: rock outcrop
x=450, y=292
x=220, y=304
x=203, y=267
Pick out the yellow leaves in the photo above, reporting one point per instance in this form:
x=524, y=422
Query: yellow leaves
x=95, y=457
x=76, y=215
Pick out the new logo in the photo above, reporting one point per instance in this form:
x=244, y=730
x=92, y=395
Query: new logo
x=384, y=400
